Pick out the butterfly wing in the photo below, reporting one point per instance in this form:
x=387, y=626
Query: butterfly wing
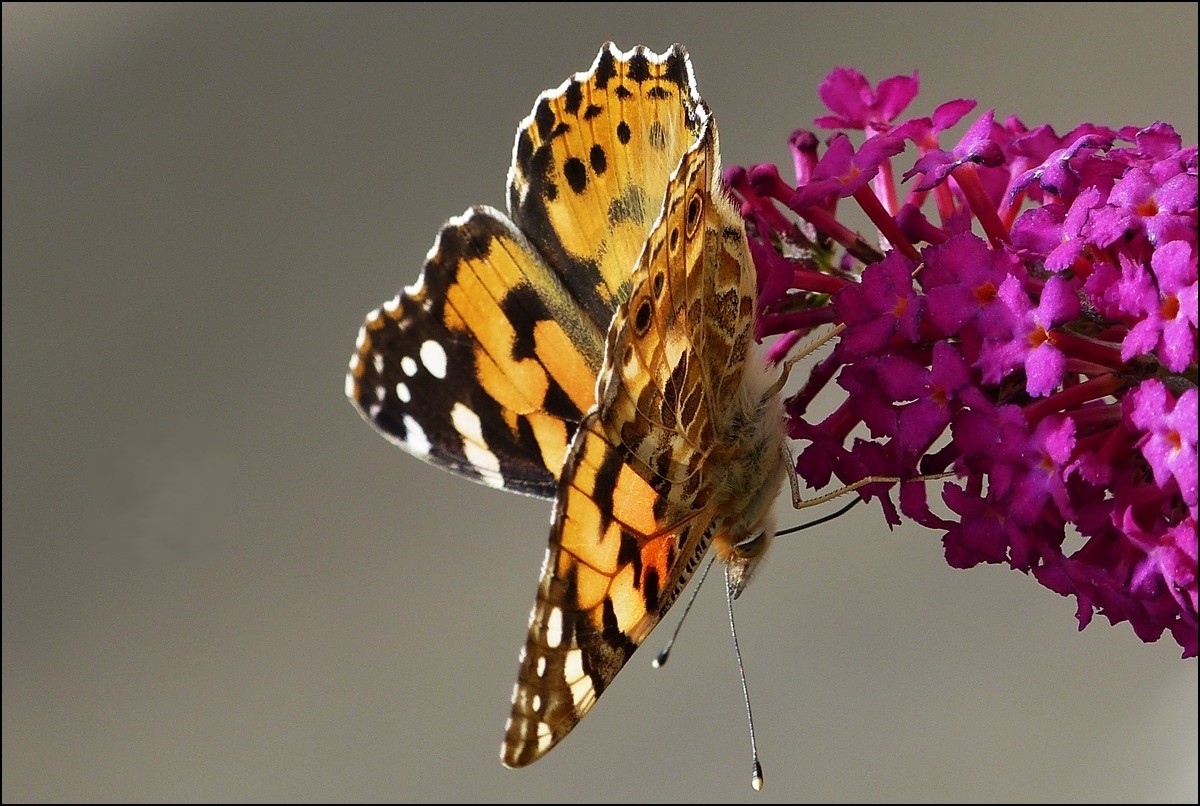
x=591, y=164
x=486, y=366
x=635, y=511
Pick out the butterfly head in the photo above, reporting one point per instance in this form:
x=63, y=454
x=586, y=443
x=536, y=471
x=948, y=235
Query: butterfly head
x=743, y=556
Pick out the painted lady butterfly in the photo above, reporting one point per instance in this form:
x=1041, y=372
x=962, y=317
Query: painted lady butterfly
x=597, y=349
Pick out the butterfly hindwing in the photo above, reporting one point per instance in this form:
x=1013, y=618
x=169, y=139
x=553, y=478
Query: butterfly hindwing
x=635, y=510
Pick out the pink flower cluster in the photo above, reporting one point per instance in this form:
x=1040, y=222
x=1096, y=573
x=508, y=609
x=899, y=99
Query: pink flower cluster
x=1024, y=318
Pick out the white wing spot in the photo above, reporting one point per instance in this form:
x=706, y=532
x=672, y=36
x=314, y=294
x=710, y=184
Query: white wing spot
x=573, y=665
x=433, y=356
x=380, y=393
x=403, y=393
x=544, y=736
x=377, y=361
x=466, y=423
x=350, y=386
x=554, y=628
x=361, y=338
x=537, y=703
x=541, y=666
x=583, y=693
x=392, y=305
x=416, y=440
x=408, y=366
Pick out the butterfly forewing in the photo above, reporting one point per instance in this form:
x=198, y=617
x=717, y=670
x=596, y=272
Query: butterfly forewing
x=591, y=164
x=473, y=368
x=486, y=366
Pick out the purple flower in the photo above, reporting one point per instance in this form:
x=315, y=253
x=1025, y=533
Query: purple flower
x=1049, y=365
x=842, y=172
x=1055, y=231
x=1030, y=342
x=1169, y=440
x=856, y=106
x=976, y=146
x=1059, y=174
x=883, y=305
x=1165, y=299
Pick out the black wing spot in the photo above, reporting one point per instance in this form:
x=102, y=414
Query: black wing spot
x=650, y=590
x=613, y=634
x=544, y=119
x=606, y=68
x=695, y=207
x=674, y=239
x=657, y=284
x=627, y=553
x=573, y=98
x=522, y=304
x=672, y=389
x=660, y=513
x=639, y=67
x=591, y=112
x=598, y=159
x=623, y=93
x=675, y=70
x=559, y=403
x=623, y=133
x=641, y=319
x=524, y=148
x=576, y=174
x=458, y=244
x=606, y=486
x=658, y=94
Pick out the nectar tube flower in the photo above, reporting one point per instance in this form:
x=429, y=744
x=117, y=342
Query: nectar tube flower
x=1023, y=324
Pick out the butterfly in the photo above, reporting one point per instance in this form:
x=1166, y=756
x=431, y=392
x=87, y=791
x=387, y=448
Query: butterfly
x=594, y=347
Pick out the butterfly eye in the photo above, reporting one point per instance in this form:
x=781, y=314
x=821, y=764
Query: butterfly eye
x=752, y=546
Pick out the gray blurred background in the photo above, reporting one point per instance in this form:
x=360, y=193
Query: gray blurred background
x=220, y=584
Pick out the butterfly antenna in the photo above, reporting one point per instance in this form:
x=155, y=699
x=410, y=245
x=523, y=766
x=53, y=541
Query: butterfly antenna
x=756, y=779
x=855, y=501
x=661, y=657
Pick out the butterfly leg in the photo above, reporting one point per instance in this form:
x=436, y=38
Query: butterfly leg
x=798, y=502
x=803, y=353
x=803, y=503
